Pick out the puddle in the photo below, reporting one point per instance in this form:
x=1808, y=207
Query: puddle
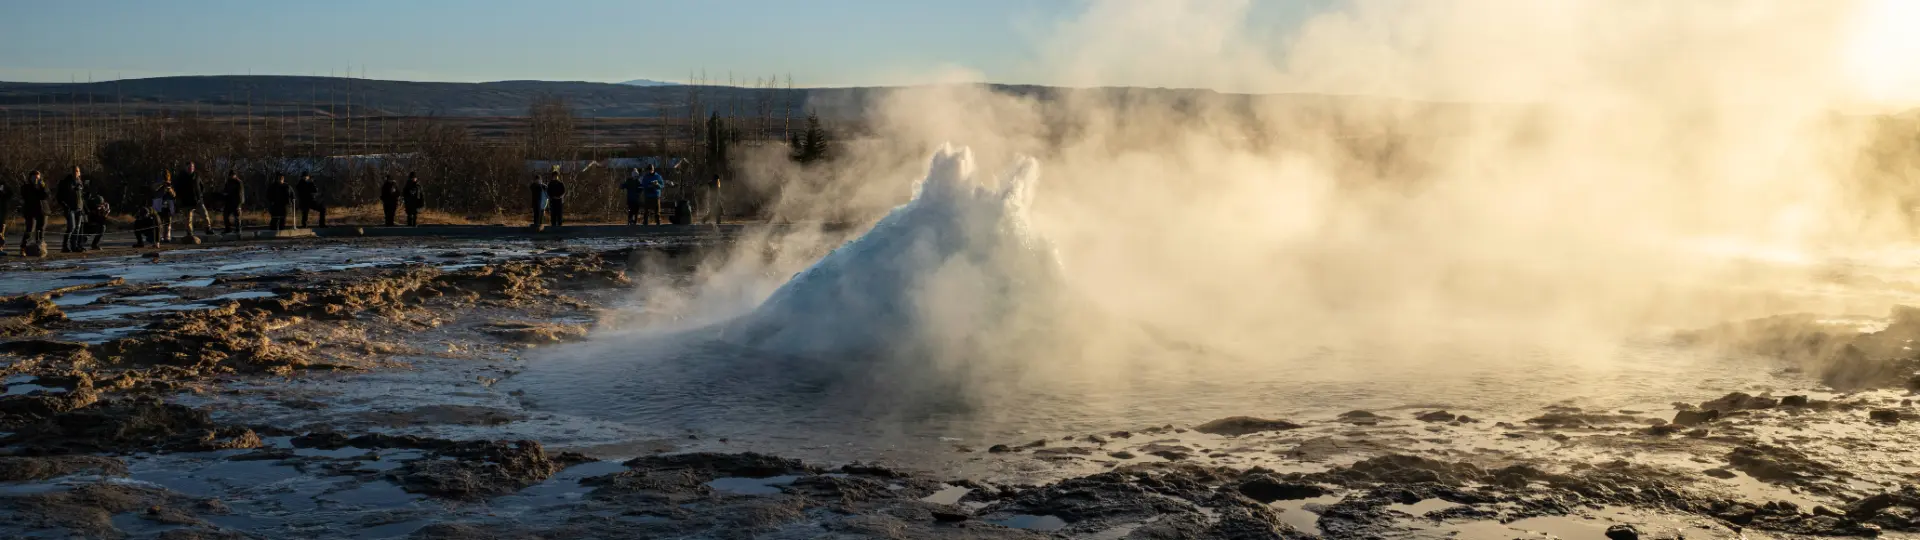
x=378, y=494
x=78, y=299
x=1421, y=508
x=24, y=389
x=950, y=495
x=201, y=282
x=751, y=486
x=115, y=312
x=242, y=295
x=1295, y=512
x=147, y=298
x=103, y=336
x=1031, y=522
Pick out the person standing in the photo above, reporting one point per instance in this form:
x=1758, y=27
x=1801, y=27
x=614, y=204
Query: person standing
x=389, y=198
x=416, y=198
x=33, y=208
x=97, y=214
x=192, y=198
x=236, y=195
x=557, y=199
x=309, y=200
x=279, y=201
x=537, y=197
x=70, y=193
x=6, y=208
x=651, y=187
x=713, y=198
x=633, y=189
x=164, y=205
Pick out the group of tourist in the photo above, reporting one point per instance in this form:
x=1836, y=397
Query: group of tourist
x=175, y=194
x=547, y=195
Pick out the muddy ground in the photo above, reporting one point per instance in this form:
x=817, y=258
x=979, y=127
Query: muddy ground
x=360, y=401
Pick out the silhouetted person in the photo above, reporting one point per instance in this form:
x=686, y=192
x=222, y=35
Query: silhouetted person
x=146, y=226
x=6, y=208
x=236, y=195
x=416, y=198
x=33, y=208
x=279, y=201
x=633, y=189
x=164, y=200
x=71, y=193
x=389, y=198
x=537, y=198
x=651, y=186
x=97, y=215
x=713, y=198
x=557, y=200
x=192, y=199
x=310, y=199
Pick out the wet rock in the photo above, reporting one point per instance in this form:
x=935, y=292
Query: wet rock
x=462, y=415
x=999, y=449
x=1436, y=416
x=40, y=347
x=129, y=425
x=1403, y=469
x=1779, y=464
x=481, y=469
x=534, y=333
x=1719, y=473
x=1739, y=401
x=1363, y=418
x=29, y=469
x=28, y=315
x=1793, y=401
x=1887, y=416
x=1266, y=489
x=949, y=516
x=748, y=464
x=1578, y=420
x=1694, y=418
x=87, y=511
x=1623, y=532
x=1122, y=454
x=1243, y=425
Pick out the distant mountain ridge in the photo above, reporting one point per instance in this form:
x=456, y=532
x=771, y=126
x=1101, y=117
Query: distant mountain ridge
x=283, y=94
x=649, y=82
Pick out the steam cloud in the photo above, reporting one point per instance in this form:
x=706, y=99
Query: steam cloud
x=1559, y=175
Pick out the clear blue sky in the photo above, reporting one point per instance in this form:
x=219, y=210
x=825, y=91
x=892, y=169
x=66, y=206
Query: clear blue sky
x=820, y=42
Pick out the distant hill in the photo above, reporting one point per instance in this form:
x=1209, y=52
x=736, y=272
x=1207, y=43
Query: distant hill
x=285, y=95
x=649, y=82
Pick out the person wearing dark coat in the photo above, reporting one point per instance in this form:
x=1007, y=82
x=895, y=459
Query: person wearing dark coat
x=6, y=209
x=557, y=200
x=537, y=197
x=33, y=208
x=309, y=199
x=416, y=198
x=97, y=214
x=236, y=195
x=71, y=193
x=192, y=199
x=390, y=198
x=279, y=201
x=146, y=227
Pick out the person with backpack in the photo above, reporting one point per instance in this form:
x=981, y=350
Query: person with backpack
x=97, y=215
x=71, y=193
x=389, y=198
x=416, y=198
x=308, y=200
x=33, y=208
x=633, y=188
x=279, y=201
x=651, y=186
x=236, y=195
x=557, y=199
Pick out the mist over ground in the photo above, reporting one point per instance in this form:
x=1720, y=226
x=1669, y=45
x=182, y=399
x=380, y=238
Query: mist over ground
x=1512, y=182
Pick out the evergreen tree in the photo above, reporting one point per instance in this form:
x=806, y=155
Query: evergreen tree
x=813, y=145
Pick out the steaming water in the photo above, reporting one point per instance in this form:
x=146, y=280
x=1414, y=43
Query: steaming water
x=949, y=321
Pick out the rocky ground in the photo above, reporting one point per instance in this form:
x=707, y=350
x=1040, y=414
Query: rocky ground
x=360, y=402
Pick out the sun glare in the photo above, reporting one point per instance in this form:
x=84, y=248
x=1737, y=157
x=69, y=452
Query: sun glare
x=1883, y=55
